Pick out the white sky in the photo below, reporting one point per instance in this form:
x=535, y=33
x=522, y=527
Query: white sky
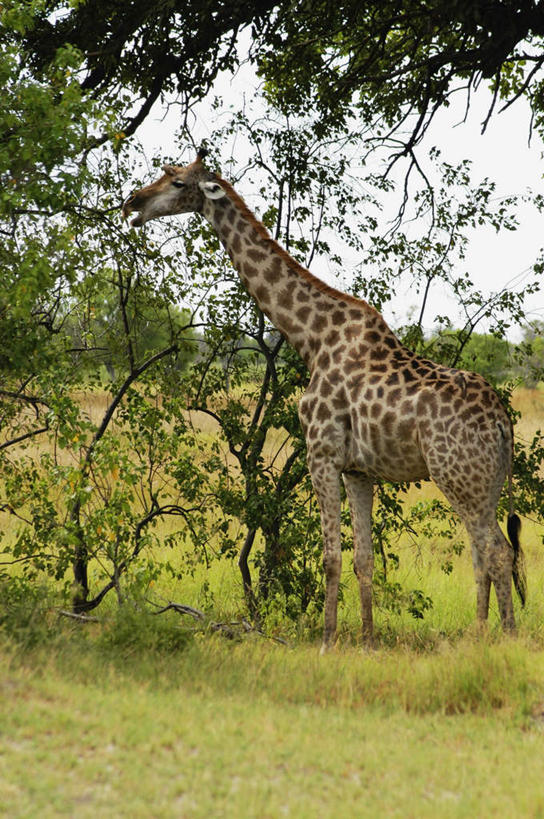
x=502, y=153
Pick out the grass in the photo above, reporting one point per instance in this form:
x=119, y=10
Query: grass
x=252, y=729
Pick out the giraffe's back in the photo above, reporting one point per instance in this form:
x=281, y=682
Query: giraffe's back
x=403, y=416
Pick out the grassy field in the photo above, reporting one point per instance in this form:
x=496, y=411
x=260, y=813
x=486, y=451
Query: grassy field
x=143, y=716
x=253, y=729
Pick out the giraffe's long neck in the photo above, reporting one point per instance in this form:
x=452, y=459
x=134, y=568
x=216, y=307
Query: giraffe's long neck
x=311, y=315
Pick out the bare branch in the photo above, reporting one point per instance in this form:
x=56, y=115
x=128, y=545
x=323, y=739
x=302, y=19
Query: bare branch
x=81, y=618
x=24, y=437
x=181, y=609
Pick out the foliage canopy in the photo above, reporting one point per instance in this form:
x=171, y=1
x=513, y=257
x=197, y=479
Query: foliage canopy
x=397, y=61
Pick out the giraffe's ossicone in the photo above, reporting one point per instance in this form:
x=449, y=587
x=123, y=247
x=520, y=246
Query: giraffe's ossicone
x=373, y=410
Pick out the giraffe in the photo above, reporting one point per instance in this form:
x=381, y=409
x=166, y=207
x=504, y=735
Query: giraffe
x=372, y=410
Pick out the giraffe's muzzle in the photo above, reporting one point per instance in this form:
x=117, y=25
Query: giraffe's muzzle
x=133, y=203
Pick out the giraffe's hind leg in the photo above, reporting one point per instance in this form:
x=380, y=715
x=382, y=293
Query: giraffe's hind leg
x=493, y=564
x=492, y=555
x=483, y=581
x=359, y=490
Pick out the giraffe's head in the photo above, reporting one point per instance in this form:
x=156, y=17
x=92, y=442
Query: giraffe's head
x=179, y=190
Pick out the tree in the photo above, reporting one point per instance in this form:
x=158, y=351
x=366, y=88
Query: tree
x=398, y=63
x=143, y=51
x=68, y=484
x=530, y=356
x=488, y=355
x=80, y=80
x=101, y=478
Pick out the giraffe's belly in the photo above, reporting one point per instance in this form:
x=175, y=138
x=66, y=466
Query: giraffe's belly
x=395, y=460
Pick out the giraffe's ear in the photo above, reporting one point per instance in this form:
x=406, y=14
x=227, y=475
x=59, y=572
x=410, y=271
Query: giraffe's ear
x=212, y=190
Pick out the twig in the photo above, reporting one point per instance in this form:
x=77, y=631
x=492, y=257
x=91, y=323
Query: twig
x=181, y=609
x=83, y=618
x=225, y=628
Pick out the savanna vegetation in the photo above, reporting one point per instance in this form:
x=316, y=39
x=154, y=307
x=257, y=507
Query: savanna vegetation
x=160, y=550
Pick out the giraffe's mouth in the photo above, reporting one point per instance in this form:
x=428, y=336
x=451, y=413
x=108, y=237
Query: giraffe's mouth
x=129, y=207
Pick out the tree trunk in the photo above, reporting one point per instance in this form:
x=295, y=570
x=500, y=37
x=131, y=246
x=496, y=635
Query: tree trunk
x=246, y=573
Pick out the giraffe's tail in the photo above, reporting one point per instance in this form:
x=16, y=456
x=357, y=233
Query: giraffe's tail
x=513, y=527
x=519, y=574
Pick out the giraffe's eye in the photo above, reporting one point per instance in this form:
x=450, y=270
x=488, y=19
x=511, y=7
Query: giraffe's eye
x=177, y=183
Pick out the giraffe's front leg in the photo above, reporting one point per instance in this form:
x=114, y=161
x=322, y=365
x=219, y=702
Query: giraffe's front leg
x=360, y=494
x=326, y=482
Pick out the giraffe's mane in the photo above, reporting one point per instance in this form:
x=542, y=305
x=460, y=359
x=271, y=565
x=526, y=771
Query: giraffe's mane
x=292, y=263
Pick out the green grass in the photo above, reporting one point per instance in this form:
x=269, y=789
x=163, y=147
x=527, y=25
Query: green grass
x=95, y=725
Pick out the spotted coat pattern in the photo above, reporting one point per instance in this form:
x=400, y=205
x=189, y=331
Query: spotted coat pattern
x=373, y=409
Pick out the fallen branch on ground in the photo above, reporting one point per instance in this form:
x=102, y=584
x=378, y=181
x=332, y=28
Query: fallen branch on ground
x=230, y=629
x=82, y=618
x=181, y=609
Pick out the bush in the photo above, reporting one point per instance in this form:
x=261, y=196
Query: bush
x=131, y=631
x=26, y=612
